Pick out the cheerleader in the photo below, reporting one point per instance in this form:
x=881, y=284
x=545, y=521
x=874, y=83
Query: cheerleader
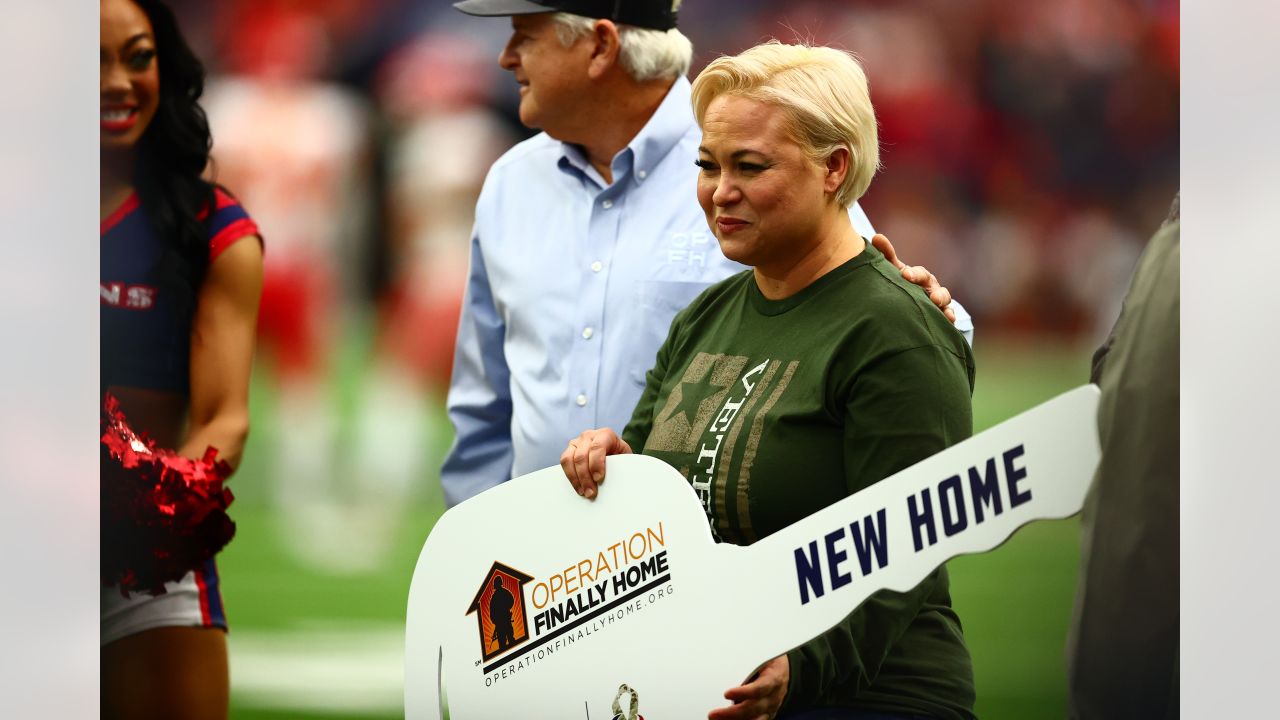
x=181, y=275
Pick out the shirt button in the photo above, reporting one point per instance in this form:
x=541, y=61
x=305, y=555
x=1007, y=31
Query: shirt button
x=581, y=400
x=643, y=174
x=597, y=266
x=587, y=333
x=607, y=204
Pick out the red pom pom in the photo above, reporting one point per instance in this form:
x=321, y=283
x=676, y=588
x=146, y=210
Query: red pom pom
x=163, y=515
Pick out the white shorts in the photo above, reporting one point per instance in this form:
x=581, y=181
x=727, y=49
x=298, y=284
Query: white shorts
x=193, y=601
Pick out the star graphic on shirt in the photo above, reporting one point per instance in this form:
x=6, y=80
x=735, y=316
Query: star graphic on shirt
x=691, y=396
x=674, y=429
x=690, y=405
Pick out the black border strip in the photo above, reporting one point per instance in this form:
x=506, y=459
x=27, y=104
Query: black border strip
x=566, y=628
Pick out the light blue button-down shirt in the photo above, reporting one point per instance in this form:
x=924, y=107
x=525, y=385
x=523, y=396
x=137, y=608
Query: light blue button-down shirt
x=572, y=287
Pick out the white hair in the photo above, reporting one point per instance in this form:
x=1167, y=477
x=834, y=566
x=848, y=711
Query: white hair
x=645, y=54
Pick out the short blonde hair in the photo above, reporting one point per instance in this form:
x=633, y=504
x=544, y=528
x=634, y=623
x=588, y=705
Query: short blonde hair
x=825, y=92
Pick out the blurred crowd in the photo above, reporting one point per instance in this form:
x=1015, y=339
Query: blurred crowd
x=1029, y=148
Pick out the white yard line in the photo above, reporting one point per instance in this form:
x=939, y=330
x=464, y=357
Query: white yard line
x=325, y=670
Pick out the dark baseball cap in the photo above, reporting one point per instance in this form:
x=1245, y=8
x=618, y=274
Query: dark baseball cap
x=651, y=14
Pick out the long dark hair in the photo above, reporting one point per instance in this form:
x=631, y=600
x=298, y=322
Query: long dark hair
x=172, y=156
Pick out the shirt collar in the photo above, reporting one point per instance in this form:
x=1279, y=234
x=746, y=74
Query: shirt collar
x=669, y=123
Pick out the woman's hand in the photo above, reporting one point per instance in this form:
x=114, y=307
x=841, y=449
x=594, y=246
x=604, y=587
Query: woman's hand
x=583, y=460
x=761, y=696
x=917, y=275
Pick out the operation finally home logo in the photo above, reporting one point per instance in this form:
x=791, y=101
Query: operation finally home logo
x=523, y=619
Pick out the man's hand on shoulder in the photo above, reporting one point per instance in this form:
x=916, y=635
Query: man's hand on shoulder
x=917, y=275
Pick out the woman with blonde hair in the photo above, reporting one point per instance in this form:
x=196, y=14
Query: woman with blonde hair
x=805, y=379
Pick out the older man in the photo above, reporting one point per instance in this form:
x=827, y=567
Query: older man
x=588, y=237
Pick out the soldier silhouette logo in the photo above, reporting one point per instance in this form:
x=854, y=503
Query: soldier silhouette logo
x=500, y=612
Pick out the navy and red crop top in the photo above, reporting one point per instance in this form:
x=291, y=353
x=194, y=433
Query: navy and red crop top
x=144, y=342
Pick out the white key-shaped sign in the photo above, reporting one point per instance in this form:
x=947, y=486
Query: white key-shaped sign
x=530, y=601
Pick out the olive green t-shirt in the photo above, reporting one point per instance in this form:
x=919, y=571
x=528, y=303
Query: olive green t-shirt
x=775, y=409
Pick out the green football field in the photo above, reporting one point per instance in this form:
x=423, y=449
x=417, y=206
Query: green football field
x=307, y=642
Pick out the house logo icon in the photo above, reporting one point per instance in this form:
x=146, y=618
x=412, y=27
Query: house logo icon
x=499, y=607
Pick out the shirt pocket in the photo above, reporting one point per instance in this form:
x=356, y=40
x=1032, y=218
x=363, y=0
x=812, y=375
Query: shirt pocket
x=657, y=302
